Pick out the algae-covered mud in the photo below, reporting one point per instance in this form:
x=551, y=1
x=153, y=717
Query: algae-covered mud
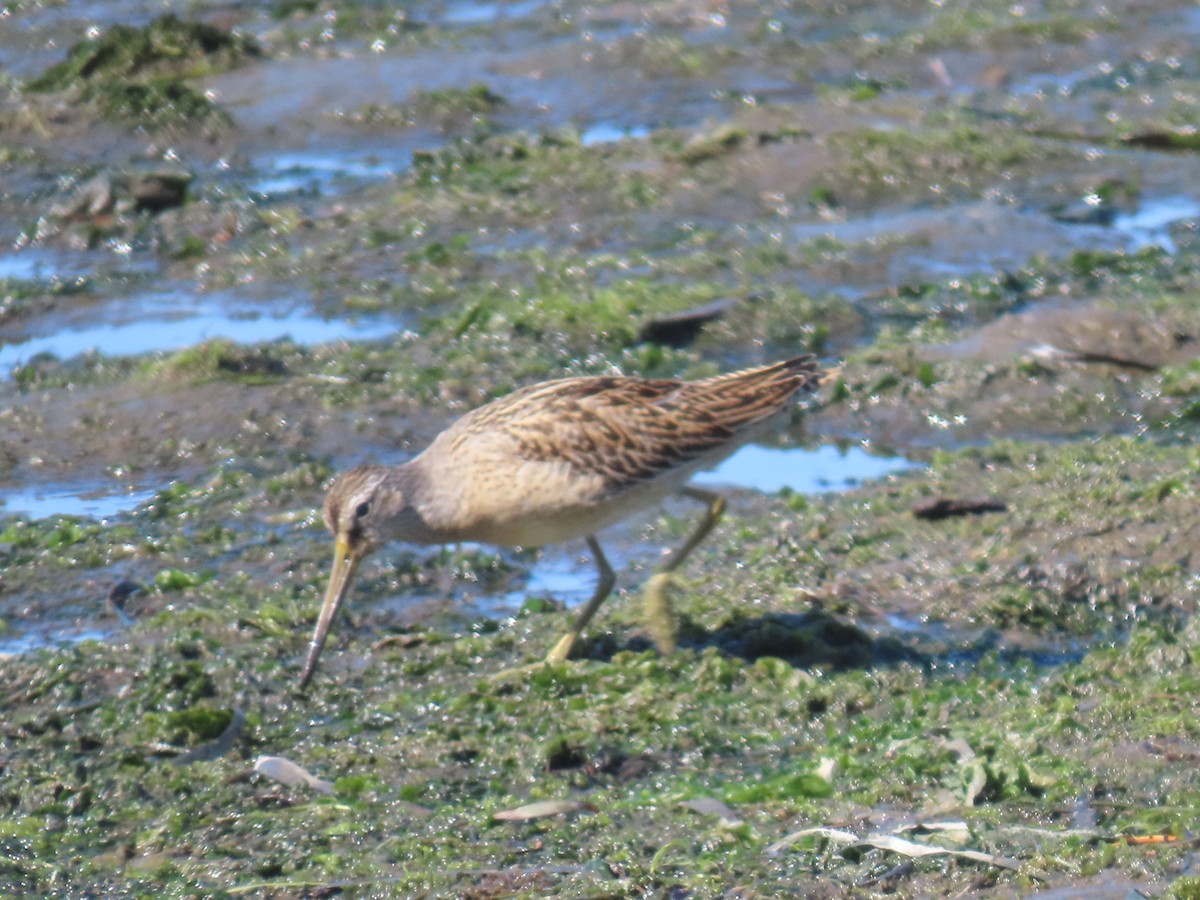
x=944, y=642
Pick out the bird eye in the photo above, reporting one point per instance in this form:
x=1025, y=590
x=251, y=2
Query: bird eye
x=362, y=509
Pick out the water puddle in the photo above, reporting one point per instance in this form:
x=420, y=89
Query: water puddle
x=287, y=100
x=305, y=106
x=566, y=573
x=86, y=501
x=1151, y=224
x=321, y=173
x=31, y=639
x=43, y=264
x=949, y=648
x=558, y=575
x=30, y=265
x=934, y=243
x=801, y=469
x=173, y=319
x=611, y=133
x=1051, y=84
x=482, y=13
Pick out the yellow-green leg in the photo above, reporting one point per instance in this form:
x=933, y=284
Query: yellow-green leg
x=659, y=615
x=558, y=655
x=604, y=586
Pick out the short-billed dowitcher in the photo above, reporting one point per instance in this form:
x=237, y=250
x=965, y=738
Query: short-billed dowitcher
x=557, y=461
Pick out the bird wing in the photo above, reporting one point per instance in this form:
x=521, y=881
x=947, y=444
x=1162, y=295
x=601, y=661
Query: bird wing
x=626, y=429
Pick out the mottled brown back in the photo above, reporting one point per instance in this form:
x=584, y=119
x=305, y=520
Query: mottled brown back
x=629, y=429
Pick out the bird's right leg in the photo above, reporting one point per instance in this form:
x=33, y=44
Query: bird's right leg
x=660, y=617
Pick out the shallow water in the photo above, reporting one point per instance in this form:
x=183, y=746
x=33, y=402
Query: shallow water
x=1150, y=224
x=321, y=172
x=174, y=318
x=89, y=501
x=482, y=13
x=611, y=132
x=46, y=636
x=815, y=470
x=30, y=265
x=939, y=242
x=561, y=573
x=56, y=264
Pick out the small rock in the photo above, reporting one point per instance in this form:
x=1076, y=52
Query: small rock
x=119, y=596
x=95, y=197
x=937, y=508
x=1084, y=213
x=681, y=329
x=158, y=189
x=149, y=190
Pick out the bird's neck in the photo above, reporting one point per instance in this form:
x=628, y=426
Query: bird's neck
x=409, y=520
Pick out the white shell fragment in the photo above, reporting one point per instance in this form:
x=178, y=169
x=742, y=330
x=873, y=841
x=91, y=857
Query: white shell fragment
x=287, y=772
x=540, y=810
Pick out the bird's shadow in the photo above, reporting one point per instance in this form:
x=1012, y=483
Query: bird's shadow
x=818, y=639
x=813, y=639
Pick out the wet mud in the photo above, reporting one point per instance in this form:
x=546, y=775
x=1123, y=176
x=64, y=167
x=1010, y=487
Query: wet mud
x=234, y=262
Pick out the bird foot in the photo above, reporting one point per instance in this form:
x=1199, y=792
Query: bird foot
x=556, y=657
x=659, y=614
x=560, y=651
x=519, y=673
x=515, y=673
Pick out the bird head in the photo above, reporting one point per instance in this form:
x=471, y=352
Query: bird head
x=356, y=508
x=359, y=506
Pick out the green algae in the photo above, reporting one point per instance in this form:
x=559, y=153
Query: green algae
x=168, y=44
x=956, y=158
x=472, y=773
x=423, y=749
x=221, y=358
x=157, y=103
x=998, y=27
x=444, y=106
x=201, y=722
x=138, y=74
x=703, y=147
x=1050, y=683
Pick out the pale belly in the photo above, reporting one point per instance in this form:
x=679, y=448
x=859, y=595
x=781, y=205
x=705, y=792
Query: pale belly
x=536, y=528
x=541, y=505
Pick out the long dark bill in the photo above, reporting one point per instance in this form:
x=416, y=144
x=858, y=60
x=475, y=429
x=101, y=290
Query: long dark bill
x=345, y=564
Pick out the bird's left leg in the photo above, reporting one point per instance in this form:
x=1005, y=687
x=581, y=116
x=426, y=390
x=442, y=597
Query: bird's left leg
x=604, y=585
x=659, y=616
x=605, y=579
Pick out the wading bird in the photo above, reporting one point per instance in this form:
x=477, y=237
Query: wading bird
x=553, y=462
